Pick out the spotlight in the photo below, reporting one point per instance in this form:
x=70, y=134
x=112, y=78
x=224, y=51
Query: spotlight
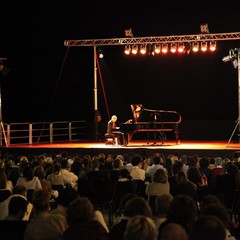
x=100, y=53
x=127, y=49
x=157, y=48
x=181, y=47
x=203, y=46
x=143, y=49
x=164, y=48
x=231, y=57
x=173, y=47
x=128, y=32
x=213, y=46
x=134, y=49
x=204, y=28
x=195, y=47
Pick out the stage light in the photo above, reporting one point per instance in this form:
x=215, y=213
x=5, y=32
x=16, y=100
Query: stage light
x=128, y=32
x=157, y=48
x=204, y=46
x=164, y=48
x=231, y=57
x=181, y=47
x=134, y=49
x=173, y=47
x=100, y=53
x=127, y=49
x=213, y=46
x=195, y=47
x=143, y=49
x=204, y=28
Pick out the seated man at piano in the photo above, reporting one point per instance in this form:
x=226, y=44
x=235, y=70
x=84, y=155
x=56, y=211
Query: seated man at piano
x=112, y=128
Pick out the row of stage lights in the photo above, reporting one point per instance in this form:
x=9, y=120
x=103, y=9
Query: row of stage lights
x=173, y=48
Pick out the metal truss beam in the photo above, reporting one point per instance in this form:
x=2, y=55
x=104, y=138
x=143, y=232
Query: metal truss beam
x=152, y=40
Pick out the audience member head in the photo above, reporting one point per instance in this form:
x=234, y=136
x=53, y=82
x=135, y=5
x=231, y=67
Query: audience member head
x=162, y=204
x=20, y=189
x=137, y=206
x=140, y=227
x=39, y=172
x=204, y=163
x=28, y=173
x=156, y=160
x=17, y=208
x=207, y=228
x=64, y=163
x=41, y=201
x=80, y=210
x=136, y=160
x=194, y=175
x=124, y=201
x=209, y=199
x=182, y=210
x=173, y=231
x=160, y=176
x=66, y=196
x=124, y=173
x=181, y=177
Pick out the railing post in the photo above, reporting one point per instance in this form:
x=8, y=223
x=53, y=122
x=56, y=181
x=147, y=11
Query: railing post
x=30, y=140
x=51, y=132
x=70, y=131
x=8, y=134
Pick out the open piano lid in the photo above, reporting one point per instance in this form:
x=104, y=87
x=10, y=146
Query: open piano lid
x=141, y=114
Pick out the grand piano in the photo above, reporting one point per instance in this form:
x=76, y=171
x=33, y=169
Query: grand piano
x=150, y=120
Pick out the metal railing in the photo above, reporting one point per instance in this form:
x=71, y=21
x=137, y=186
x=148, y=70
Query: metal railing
x=42, y=132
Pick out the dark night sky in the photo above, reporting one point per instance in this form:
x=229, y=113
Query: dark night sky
x=47, y=82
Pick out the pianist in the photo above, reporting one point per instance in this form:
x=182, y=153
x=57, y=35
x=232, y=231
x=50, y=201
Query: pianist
x=112, y=128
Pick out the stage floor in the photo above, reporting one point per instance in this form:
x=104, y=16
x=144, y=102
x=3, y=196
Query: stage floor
x=206, y=148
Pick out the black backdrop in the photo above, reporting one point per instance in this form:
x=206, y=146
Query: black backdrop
x=47, y=82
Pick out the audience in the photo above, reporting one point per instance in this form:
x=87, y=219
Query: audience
x=192, y=205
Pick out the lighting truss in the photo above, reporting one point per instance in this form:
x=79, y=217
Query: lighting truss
x=153, y=40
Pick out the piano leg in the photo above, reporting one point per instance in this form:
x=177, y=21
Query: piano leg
x=177, y=136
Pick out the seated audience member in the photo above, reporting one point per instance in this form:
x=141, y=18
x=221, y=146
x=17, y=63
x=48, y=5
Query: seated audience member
x=39, y=172
x=140, y=227
x=162, y=204
x=28, y=179
x=159, y=185
x=207, y=228
x=173, y=231
x=56, y=178
x=67, y=196
x=69, y=177
x=183, y=210
x=184, y=186
x=81, y=223
x=5, y=184
x=12, y=227
x=220, y=211
x=157, y=164
x=18, y=191
x=44, y=225
x=137, y=173
x=122, y=187
x=135, y=206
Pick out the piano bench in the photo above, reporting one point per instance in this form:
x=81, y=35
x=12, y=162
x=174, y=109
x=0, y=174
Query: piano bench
x=110, y=139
